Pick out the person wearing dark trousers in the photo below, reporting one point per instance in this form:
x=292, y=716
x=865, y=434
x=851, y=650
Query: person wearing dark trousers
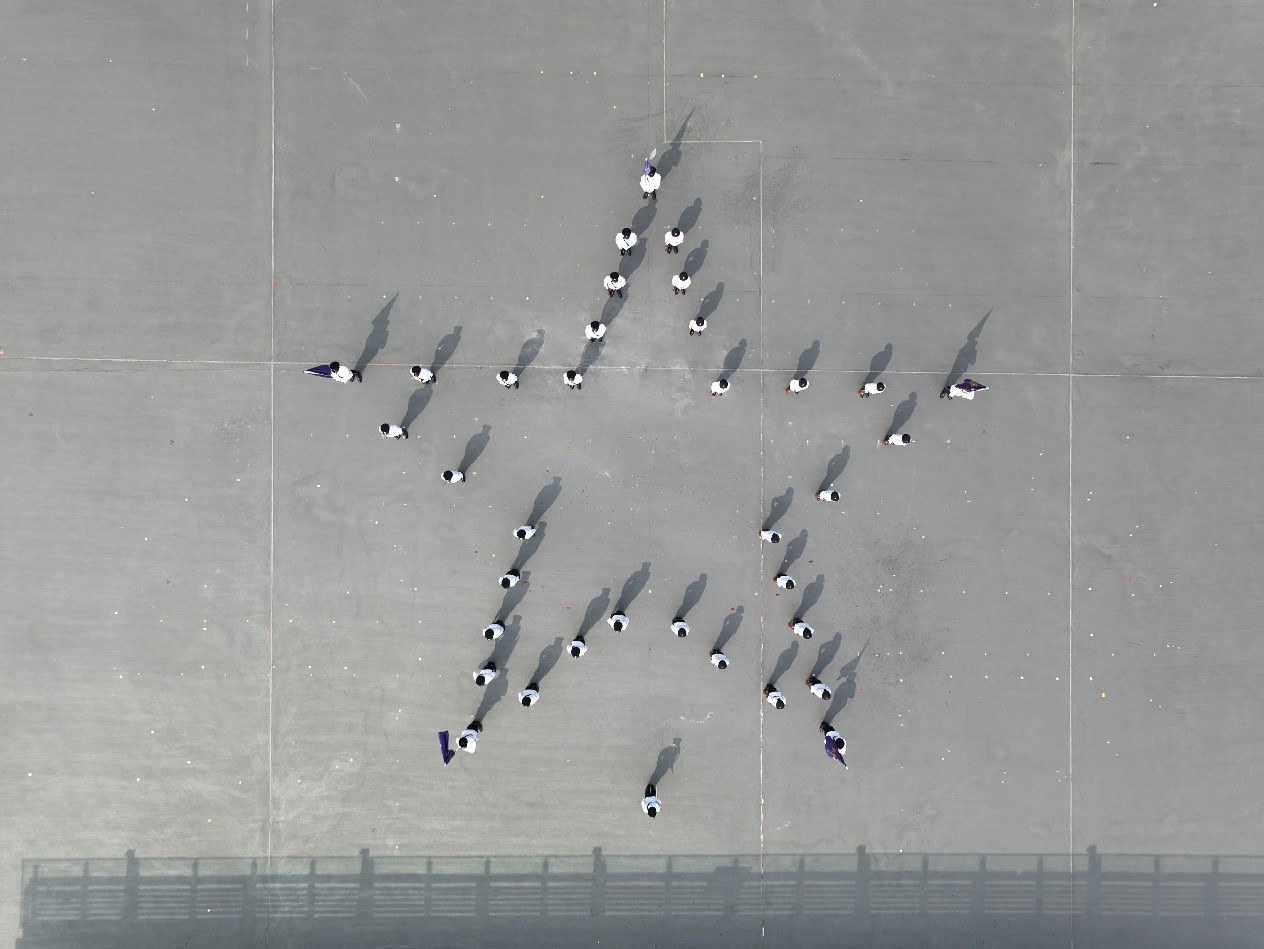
x=468, y=740
x=818, y=688
x=530, y=695
x=835, y=744
x=614, y=283
x=344, y=374
x=650, y=803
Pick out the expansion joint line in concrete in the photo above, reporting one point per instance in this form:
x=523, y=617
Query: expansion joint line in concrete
x=1071, y=463
x=272, y=367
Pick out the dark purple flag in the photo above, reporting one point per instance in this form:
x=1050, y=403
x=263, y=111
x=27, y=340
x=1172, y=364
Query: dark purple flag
x=448, y=753
x=832, y=749
x=323, y=371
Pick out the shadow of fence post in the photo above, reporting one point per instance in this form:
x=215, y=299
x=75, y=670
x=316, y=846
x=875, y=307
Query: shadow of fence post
x=863, y=871
x=1093, y=885
x=667, y=889
x=544, y=888
x=597, y=899
x=427, y=900
x=483, y=892
x=800, y=884
x=923, y=895
x=976, y=891
x=311, y=889
x=364, y=900
x=131, y=889
x=1211, y=891
x=1040, y=886
x=249, y=898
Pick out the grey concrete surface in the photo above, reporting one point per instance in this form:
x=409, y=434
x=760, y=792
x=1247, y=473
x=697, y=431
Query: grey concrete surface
x=1058, y=199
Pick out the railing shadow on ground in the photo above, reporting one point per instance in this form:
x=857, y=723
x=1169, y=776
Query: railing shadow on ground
x=857, y=899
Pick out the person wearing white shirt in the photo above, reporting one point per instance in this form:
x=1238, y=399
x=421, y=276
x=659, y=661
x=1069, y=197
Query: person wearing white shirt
x=827, y=495
x=697, y=325
x=468, y=741
x=453, y=476
x=672, y=240
x=618, y=621
x=573, y=379
x=344, y=374
x=797, y=385
x=775, y=698
x=493, y=631
x=871, y=388
x=511, y=579
x=530, y=695
x=719, y=387
x=577, y=647
x=389, y=430
x=800, y=628
x=650, y=182
x=680, y=627
x=595, y=330
x=485, y=674
x=965, y=389
x=525, y=532
x=680, y=282
x=507, y=379
x=897, y=439
x=835, y=744
x=818, y=688
x=625, y=240
x=784, y=581
x=421, y=374
x=650, y=803
x=772, y=537
x=614, y=283
x=719, y=660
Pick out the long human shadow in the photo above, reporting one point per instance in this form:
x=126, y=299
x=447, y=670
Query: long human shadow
x=826, y=652
x=529, y=546
x=733, y=359
x=475, y=447
x=632, y=588
x=505, y=646
x=903, y=412
x=784, y=662
x=513, y=596
x=845, y=691
x=492, y=694
x=693, y=593
x=596, y=611
x=878, y=363
x=794, y=550
x=416, y=404
x=695, y=259
x=666, y=761
x=777, y=509
x=381, y=329
x=728, y=629
x=641, y=222
x=530, y=349
x=671, y=154
x=968, y=353
x=811, y=594
x=545, y=499
x=689, y=216
x=808, y=358
x=834, y=470
x=549, y=657
x=446, y=349
x=711, y=301
x=611, y=309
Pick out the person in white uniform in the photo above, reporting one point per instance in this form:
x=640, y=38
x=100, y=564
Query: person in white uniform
x=650, y=803
x=625, y=240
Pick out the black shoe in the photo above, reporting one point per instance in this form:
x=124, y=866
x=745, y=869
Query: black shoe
x=405, y=433
x=944, y=394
